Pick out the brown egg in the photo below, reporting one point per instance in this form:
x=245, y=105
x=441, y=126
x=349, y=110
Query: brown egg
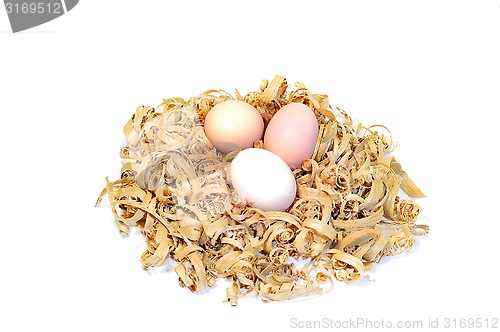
x=233, y=125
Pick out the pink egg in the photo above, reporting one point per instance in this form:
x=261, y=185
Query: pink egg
x=233, y=125
x=292, y=134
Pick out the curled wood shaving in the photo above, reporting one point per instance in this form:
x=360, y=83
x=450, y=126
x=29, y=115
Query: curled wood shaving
x=347, y=214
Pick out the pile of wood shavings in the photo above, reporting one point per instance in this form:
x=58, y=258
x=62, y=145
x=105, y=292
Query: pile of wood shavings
x=347, y=215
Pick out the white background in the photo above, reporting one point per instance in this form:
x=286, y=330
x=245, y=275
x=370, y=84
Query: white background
x=429, y=70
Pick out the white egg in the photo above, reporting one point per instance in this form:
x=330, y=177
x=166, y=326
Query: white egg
x=264, y=179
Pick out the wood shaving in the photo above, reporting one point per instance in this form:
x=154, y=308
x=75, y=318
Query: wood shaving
x=347, y=214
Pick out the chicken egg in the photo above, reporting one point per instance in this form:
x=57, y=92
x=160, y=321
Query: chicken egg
x=292, y=134
x=263, y=178
x=233, y=125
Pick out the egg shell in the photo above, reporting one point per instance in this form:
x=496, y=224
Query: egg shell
x=292, y=134
x=264, y=179
x=233, y=125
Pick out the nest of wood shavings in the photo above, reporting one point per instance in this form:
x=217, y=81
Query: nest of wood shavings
x=347, y=214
